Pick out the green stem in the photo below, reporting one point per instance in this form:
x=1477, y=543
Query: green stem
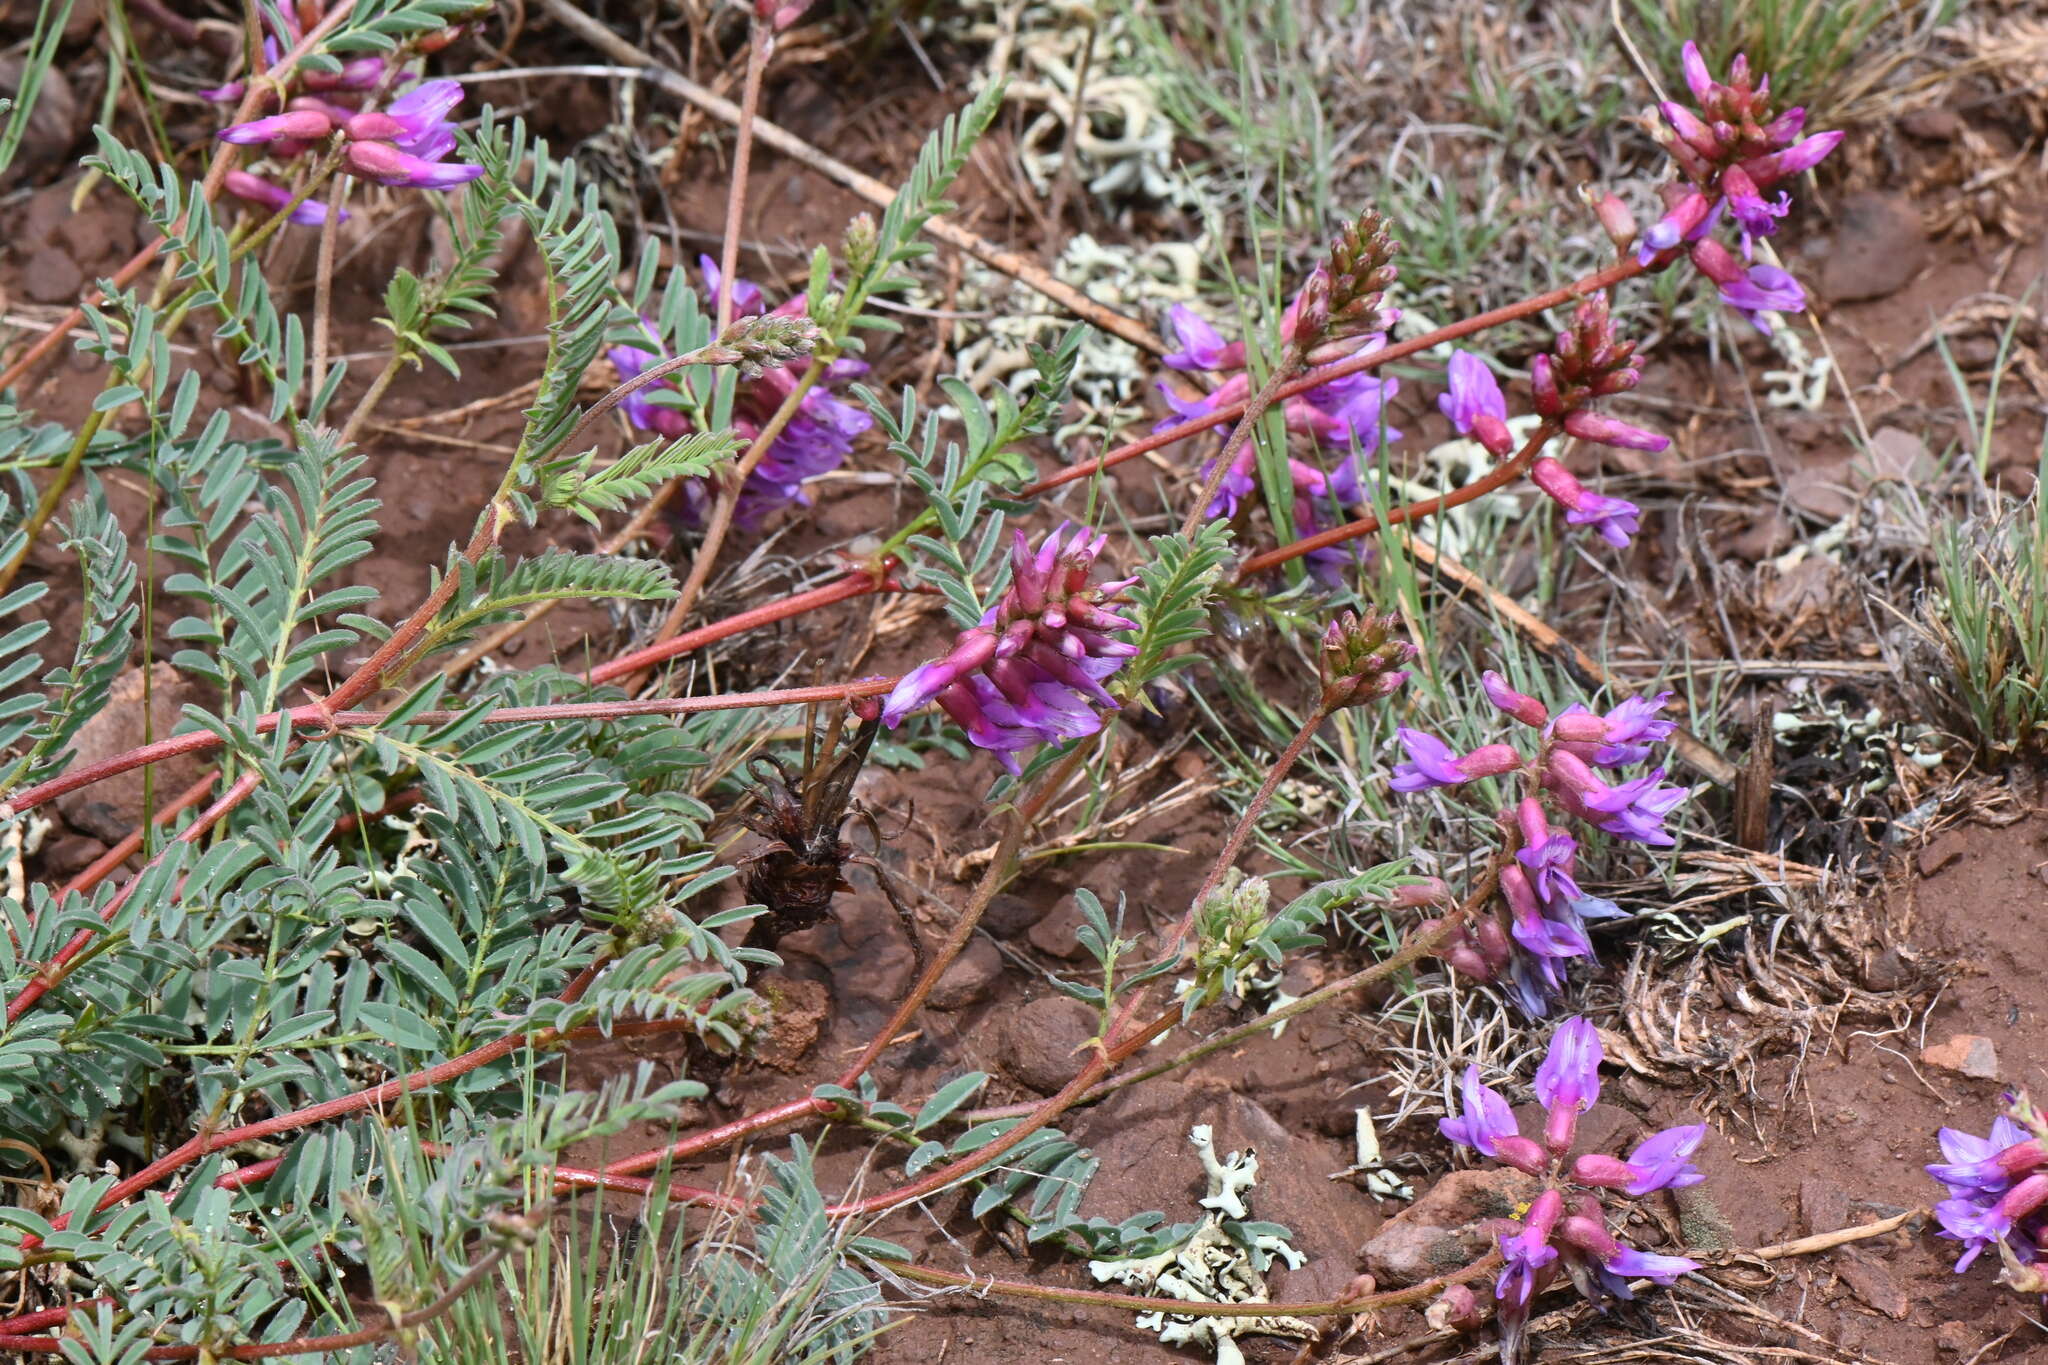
x=51, y=496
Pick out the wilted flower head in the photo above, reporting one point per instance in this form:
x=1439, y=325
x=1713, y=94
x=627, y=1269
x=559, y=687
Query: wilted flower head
x=1032, y=672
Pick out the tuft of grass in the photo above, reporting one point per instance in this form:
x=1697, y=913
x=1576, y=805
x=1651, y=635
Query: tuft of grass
x=1987, y=615
x=1828, y=55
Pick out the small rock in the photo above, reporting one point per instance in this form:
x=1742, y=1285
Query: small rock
x=1932, y=125
x=1954, y=1339
x=56, y=123
x=1055, y=935
x=1889, y=971
x=971, y=977
x=1823, y=1207
x=1446, y=1227
x=1008, y=916
x=1036, y=1045
x=1969, y=1054
x=1820, y=490
x=1877, y=246
x=1871, y=1282
x=51, y=276
x=800, y=1010
x=1940, y=852
x=109, y=809
x=1190, y=766
x=72, y=853
x=1897, y=456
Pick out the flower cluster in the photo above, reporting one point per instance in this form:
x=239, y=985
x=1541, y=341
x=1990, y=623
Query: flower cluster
x=1032, y=672
x=1344, y=416
x=1361, y=660
x=1566, y=1225
x=1547, y=910
x=816, y=440
x=1731, y=152
x=1998, y=1194
x=405, y=144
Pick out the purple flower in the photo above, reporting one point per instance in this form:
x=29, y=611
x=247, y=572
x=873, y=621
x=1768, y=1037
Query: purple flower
x=421, y=114
x=385, y=164
x=299, y=125
x=1613, y=518
x=1663, y=1161
x=1628, y=1263
x=1201, y=348
x=1804, y=155
x=1632, y=727
x=1473, y=392
x=257, y=190
x=1487, y=1117
x=1570, y=1075
x=1546, y=853
x=1765, y=289
x=1636, y=809
x=746, y=295
x=1432, y=763
x=1756, y=216
x=1032, y=672
x=1973, y=1163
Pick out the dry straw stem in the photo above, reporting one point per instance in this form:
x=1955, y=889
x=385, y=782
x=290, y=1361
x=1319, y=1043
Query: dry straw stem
x=1015, y=265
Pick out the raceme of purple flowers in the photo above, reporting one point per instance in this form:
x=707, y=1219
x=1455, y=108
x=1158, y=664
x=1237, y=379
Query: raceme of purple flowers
x=1547, y=909
x=405, y=144
x=1732, y=153
x=815, y=441
x=1566, y=1228
x=1998, y=1197
x=1344, y=416
x=1032, y=672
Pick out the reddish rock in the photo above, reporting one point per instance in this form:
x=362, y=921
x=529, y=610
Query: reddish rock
x=1447, y=1227
x=800, y=1011
x=971, y=977
x=1036, y=1044
x=109, y=809
x=1967, y=1054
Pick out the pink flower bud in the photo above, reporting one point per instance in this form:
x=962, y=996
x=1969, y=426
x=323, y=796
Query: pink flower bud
x=1525, y=1155
x=1415, y=895
x=1494, y=944
x=1615, y=220
x=374, y=126
x=1595, y=1168
x=1561, y=1128
x=1491, y=760
x=1589, y=1235
x=1456, y=1310
x=1580, y=727
x=1607, y=431
x=1520, y=705
x=1493, y=434
x=1544, y=384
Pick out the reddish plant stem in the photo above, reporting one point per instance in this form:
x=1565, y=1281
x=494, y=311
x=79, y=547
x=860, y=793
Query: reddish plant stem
x=1253, y=409
x=57, y=968
x=103, y=866
x=1350, y=365
x=316, y=713
x=856, y=584
x=216, y=172
x=760, y=42
x=1248, y=818
x=695, y=1145
x=1498, y=477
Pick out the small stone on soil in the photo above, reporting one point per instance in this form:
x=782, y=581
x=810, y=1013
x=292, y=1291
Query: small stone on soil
x=1446, y=1227
x=1008, y=916
x=1940, y=853
x=1035, y=1045
x=1877, y=246
x=109, y=809
x=1823, y=1207
x=1871, y=1282
x=51, y=276
x=1967, y=1053
x=801, y=1010
x=1055, y=935
x=968, y=981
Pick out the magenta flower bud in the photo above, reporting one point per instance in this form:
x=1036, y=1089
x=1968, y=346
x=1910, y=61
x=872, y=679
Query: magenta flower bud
x=1715, y=261
x=1417, y=894
x=1494, y=944
x=1524, y=1154
x=1567, y=774
x=1544, y=1211
x=1519, y=894
x=373, y=126
x=1580, y=727
x=1543, y=382
x=1569, y=1077
x=385, y=164
x=1462, y=957
x=1455, y=1310
x=1697, y=78
x=304, y=125
x=865, y=708
x=1707, y=141
x=1490, y=760
x=1679, y=224
x=1609, y=1172
x=1520, y=705
x=2023, y=1198
x=1607, y=431
x=1589, y=1235
x=1560, y=1130
x=256, y=190
x=1492, y=433
x=1615, y=220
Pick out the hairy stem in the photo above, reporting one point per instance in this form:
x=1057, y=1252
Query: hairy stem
x=1254, y=408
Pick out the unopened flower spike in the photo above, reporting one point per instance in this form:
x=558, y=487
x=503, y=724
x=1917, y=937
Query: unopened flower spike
x=1362, y=660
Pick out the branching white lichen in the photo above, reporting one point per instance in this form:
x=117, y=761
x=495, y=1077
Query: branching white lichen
x=1379, y=1181
x=1223, y=1260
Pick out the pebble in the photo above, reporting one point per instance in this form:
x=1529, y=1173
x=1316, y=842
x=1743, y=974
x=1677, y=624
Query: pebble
x=51, y=276
x=1940, y=853
x=1446, y=1227
x=1877, y=246
x=971, y=977
x=1035, y=1045
x=1968, y=1054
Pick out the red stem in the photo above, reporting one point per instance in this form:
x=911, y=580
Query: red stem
x=1498, y=477
x=1350, y=365
x=857, y=584
x=320, y=715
